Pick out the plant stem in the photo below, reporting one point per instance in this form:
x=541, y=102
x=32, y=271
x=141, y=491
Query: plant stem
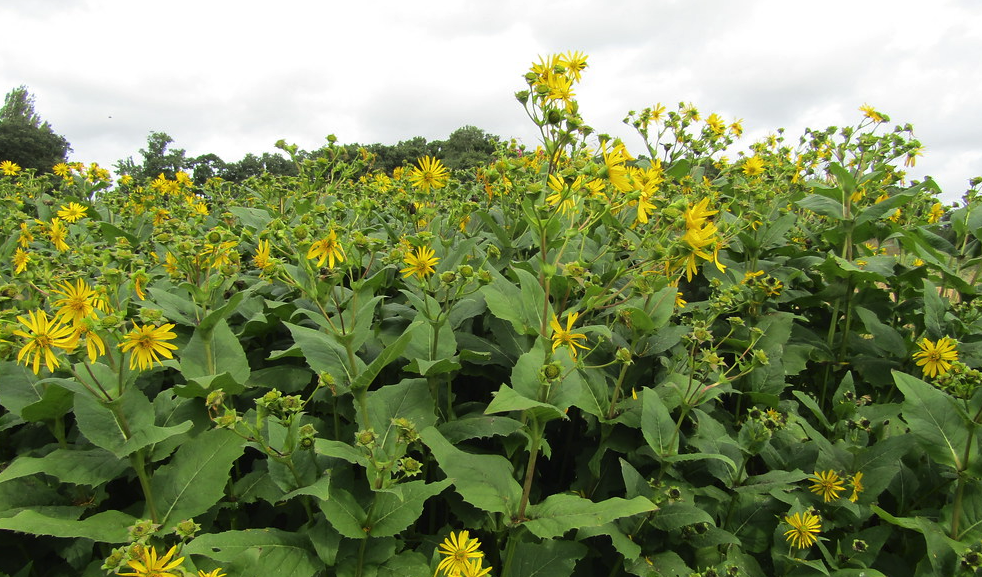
x=536, y=429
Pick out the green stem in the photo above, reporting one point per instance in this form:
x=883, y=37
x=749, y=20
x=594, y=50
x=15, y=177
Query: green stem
x=536, y=431
x=509, y=555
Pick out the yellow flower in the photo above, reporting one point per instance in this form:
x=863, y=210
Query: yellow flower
x=327, y=248
x=562, y=195
x=679, y=301
x=564, y=337
x=262, y=259
x=94, y=345
x=804, y=528
x=574, y=62
x=937, y=211
x=212, y=573
x=21, y=260
x=617, y=172
x=871, y=113
x=472, y=568
x=737, y=128
x=716, y=124
x=695, y=216
x=73, y=212
x=911, y=159
x=25, y=238
x=150, y=566
x=77, y=302
x=57, y=233
x=827, y=484
x=63, y=170
x=857, y=486
x=458, y=550
x=146, y=343
x=935, y=359
x=420, y=263
x=431, y=173
x=125, y=180
x=9, y=168
x=44, y=335
x=753, y=166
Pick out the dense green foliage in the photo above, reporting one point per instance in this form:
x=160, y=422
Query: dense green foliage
x=24, y=138
x=594, y=363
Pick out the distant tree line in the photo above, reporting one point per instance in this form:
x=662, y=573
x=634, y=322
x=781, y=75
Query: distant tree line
x=25, y=139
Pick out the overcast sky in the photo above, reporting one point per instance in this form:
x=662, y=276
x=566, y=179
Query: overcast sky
x=234, y=76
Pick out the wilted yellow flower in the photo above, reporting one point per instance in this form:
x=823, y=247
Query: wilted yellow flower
x=827, y=484
x=420, y=263
x=327, y=248
x=431, y=173
x=935, y=358
x=44, y=335
x=565, y=337
x=146, y=343
x=804, y=529
x=857, y=486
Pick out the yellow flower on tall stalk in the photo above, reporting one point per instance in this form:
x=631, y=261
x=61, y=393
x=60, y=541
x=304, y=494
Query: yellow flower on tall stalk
x=147, y=343
x=935, y=358
x=804, y=529
x=327, y=249
x=615, y=162
x=420, y=263
x=575, y=63
x=9, y=168
x=937, y=211
x=698, y=239
x=72, y=213
x=57, y=233
x=458, y=549
x=77, y=302
x=716, y=124
x=43, y=335
x=21, y=260
x=430, y=174
x=827, y=484
x=871, y=113
x=562, y=195
x=565, y=337
x=148, y=565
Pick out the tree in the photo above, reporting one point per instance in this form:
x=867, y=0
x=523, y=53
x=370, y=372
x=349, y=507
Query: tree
x=24, y=138
x=157, y=159
x=466, y=148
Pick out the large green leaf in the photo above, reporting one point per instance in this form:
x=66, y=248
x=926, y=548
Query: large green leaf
x=546, y=559
x=484, y=481
x=90, y=467
x=214, y=351
x=393, y=513
x=657, y=424
x=561, y=513
x=674, y=516
x=195, y=479
x=345, y=514
x=105, y=527
x=388, y=354
x=409, y=399
x=259, y=552
x=128, y=428
x=323, y=353
x=936, y=420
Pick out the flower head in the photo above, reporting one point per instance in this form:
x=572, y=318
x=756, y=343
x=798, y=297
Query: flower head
x=148, y=565
x=827, y=484
x=77, y=302
x=21, y=260
x=856, y=482
x=420, y=263
x=935, y=358
x=73, y=212
x=9, y=168
x=565, y=337
x=327, y=248
x=262, y=259
x=212, y=573
x=871, y=113
x=146, y=343
x=753, y=166
x=431, y=173
x=44, y=335
x=804, y=528
x=459, y=550
x=57, y=233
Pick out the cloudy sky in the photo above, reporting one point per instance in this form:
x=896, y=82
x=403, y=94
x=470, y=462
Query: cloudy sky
x=234, y=76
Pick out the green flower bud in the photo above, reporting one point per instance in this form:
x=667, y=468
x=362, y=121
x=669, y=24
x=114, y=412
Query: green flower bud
x=186, y=529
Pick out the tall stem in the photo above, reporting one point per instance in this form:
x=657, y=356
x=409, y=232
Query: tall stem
x=536, y=431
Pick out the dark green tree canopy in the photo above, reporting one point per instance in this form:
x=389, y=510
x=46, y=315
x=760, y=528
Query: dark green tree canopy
x=157, y=159
x=24, y=138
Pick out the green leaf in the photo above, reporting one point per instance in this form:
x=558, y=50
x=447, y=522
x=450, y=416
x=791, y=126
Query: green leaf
x=484, y=481
x=934, y=310
x=90, y=467
x=618, y=538
x=345, y=514
x=389, y=354
x=273, y=552
x=392, y=513
x=478, y=426
x=657, y=424
x=822, y=205
x=339, y=450
x=214, y=351
x=319, y=489
x=561, y=513
x=936, y=420
x=885, y=337
x=176, y=307
x=323, y=353
x=195, y=479
x=125, y=434
x=409, y=399
x=55, y=402
x=546, y=559
x=677, y=515
x=506, y=400
x=105, y=527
